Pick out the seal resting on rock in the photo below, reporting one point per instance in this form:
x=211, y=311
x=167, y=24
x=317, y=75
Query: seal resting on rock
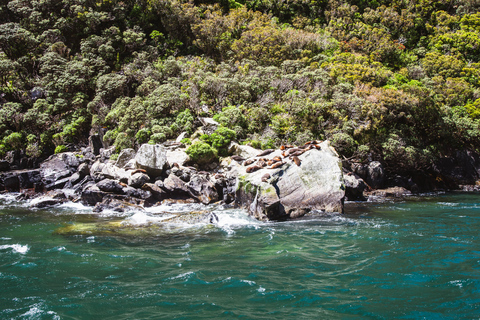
x=238, y=158
x=296, y=160
x=248, y=162
x=253, y=168
x=276, y=165
x=261, y=163
x=265, y=177
x=265, y=152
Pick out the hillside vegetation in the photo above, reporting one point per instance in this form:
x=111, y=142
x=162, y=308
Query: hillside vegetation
x=395, y=81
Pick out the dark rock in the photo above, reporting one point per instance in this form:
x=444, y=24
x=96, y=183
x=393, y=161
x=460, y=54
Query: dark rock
x=109, y=185
x=461, y=169
x=57, y=184
x=83, y=170
x=376, y=175
x=95, y=143
x=202, y=189
x=28, y=178
x=354, y=187
x=46, y=202
x=78, y=187
x=4, y=165
x=73, y=180
x=12, y=183
x=57, y=167
x=137, y=193
x=56, y=194
x=157, y=194
x=137, y=180
x=175, y=185
x=91, y=195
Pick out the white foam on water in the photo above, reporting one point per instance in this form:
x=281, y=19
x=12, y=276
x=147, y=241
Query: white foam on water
x=185, y=276
x=78, y=207
x=142, y=218
x=18, y=248
x=36, y=312
x=250, y=283
x=177, y=208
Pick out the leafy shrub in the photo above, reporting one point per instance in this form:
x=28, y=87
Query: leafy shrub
x=158, y=138
x=343, y=143
x=13, y=141
x=184, y=121
x=122, y=141
x=142, y=135
x=201, y=153
x=61, y=148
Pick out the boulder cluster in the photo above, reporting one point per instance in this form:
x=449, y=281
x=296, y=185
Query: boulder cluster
x=273, y=184
x=290, y=182
x=140, y=178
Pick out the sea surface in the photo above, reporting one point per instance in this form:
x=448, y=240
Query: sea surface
x=417, y=258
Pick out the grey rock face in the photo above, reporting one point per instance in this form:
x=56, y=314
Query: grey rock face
x=151, y=158
x=124, y=157
x=179, y=157
x=293, y=189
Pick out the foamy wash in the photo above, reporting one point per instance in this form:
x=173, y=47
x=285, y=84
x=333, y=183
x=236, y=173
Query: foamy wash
x=410, y=259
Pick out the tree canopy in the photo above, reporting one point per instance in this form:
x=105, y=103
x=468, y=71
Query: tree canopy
x=396, y=81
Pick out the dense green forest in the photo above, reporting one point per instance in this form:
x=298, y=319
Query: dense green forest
x=389, y=80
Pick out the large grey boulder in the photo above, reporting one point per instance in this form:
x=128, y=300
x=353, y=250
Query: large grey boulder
x=151, y=158
x=293, y=190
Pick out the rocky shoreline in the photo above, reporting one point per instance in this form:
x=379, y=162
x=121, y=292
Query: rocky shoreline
x=281, y=184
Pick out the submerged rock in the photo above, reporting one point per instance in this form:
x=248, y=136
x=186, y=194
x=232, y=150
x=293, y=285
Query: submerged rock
x=311, y=180
x=116, y=205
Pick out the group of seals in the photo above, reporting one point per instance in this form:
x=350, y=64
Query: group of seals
x=288, y=152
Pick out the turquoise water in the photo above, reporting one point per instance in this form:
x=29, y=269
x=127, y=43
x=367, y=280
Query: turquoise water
x=416, y=259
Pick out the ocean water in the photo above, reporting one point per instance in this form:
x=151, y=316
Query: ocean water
x=412, y=259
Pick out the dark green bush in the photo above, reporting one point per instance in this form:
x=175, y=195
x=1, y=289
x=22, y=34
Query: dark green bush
x=201, y=153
